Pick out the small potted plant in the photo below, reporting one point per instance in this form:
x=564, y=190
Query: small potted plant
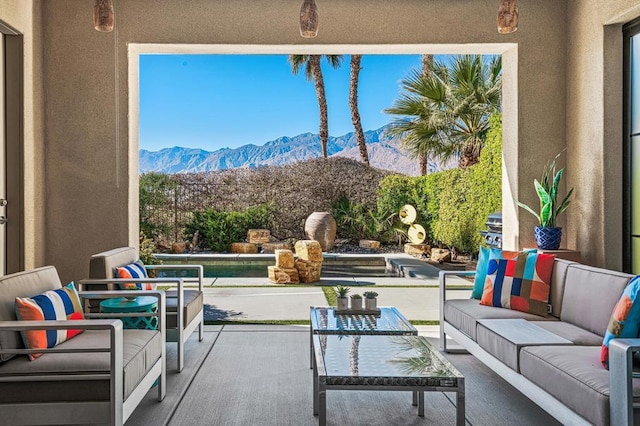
x=370, y=300
x=547, y=234
x=356, y=302
x=342, y=301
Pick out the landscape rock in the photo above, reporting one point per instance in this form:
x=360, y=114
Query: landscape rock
x=417, y=249
x=178, y=248
x=370, y=244
x=272, y=247
x=244, y=248
x=440, y=255
x=309, y=250
x=308, y=271
x=284, y=259
x=258, y=236
x=283, y=275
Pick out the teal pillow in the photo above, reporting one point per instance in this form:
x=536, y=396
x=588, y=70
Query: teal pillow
x=481, y=268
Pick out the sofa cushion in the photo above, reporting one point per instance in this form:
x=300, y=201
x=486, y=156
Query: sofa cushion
x=464, y=313
x=573, y=375
x=580, y=307
x=483, y=264
x=133, y=270
x=503, y=338
x=556, y=290
x=625, y=318
x=52, y=305
x=577, y=335
x=193, y=303
x=519, y=282
x=22, y=284
x=141, y=349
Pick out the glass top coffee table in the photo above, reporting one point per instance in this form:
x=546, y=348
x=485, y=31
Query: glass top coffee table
x=382, y=362
x=390, y=321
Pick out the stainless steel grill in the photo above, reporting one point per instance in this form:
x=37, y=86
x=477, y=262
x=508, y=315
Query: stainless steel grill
x=493, y=234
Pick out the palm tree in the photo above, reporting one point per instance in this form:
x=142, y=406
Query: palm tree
x=313, y=71
x=427, y=65
x=353, y=104
x=446, y=113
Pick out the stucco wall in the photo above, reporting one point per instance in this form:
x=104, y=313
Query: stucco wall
x=594, y=127
x=24, y=16
x=88, y=199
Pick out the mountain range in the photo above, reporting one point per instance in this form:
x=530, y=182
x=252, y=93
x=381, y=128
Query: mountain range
x=383, y=149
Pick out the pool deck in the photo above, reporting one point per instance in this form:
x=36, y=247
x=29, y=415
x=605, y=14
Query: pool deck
x=415, y=294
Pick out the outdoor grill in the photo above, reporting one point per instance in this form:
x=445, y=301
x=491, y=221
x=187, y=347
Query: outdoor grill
x=493, y=234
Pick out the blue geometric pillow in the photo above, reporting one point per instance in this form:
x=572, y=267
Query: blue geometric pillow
x=481, y=268
x=625, y=319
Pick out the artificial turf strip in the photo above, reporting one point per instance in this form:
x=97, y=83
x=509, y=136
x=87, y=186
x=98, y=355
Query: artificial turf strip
x=330, y=295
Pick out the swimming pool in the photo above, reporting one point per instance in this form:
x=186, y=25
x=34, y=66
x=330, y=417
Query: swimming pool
x=255, y=266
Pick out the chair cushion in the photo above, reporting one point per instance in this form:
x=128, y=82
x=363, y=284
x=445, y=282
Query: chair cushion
x=519, y=282
x=193, y=304
x=625, y=319
x=464, y=313
x=577, y=335
x=133, y=270
x=141, y=349
x=572, y=374
x=22, y=284
x=52, y=305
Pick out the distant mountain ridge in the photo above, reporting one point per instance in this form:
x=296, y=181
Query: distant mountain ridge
x=383, y=148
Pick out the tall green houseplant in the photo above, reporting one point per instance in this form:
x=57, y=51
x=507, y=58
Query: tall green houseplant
x=548, y=235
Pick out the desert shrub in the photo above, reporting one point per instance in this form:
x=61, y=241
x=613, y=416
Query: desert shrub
x=355, y=221
x=218, y=229
x=157, y=194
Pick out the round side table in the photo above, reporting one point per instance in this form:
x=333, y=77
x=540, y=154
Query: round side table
x=147, y=304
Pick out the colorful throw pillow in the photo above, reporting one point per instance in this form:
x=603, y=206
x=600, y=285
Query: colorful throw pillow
x=520, y=282
x=483, y=263
x=625, y=319
x=134, y=270
x=61, y=304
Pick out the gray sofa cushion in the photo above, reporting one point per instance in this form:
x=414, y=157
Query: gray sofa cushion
x=573, y=375
x=142, y=348
x=558, y=277
x=22, y=284
x=579, y=336
x=580, y=307
x=102, y=265
x=193, y=303
x=464, y=313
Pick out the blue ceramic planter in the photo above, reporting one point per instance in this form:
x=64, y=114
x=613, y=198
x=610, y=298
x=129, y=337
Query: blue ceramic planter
x=548, y=238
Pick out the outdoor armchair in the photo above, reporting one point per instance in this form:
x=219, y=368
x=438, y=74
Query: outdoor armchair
x=98, y=376
x=180, y=322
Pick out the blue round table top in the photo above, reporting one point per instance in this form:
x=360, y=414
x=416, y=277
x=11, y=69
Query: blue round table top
x=122, y=304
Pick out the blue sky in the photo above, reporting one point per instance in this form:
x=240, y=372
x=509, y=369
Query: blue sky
x=217, y=101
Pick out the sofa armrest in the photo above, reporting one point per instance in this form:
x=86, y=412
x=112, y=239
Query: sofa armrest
x=198, y=268
x=621, y=373
x=443, y=297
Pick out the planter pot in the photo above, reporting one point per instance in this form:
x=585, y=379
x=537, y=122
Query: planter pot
x=321, y=226
x=342, y=303
x=548, y=238
x=371, y=304
x=356, y=304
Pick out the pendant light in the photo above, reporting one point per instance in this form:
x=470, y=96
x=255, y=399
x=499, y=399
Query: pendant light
x=103, y=16
x=309, y=19
x=508, y=16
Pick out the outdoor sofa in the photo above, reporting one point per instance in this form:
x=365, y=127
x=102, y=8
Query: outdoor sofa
x=567, y=380
x=180, y=322
x=99, y=376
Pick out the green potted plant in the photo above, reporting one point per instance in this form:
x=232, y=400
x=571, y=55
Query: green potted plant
x=547, y=234
x=356, y=302
x=370, y=300
x=342, y=301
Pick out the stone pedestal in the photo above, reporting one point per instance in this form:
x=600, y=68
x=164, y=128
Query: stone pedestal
x=244, y=248
x=284, y=259
x=308, y=271
x=417, y=249
x=283, y=275
x=258, y=236
x=309, y=250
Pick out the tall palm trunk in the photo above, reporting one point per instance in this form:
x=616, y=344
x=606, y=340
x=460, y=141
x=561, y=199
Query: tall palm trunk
x=427, y=65
x=353, y=104
x=318, y=81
